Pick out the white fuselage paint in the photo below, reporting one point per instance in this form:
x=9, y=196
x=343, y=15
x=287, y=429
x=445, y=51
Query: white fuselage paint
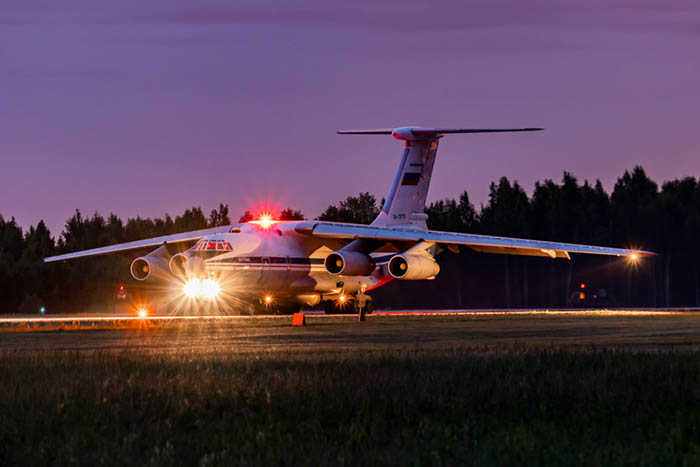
x=282, y=262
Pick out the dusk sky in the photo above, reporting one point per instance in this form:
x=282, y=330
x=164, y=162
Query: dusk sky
x=148, y=107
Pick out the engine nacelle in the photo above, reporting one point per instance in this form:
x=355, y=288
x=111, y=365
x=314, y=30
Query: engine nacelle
x=349, y=263
x=153, y=267
x=177, y=264
x=413, y=267
x=184, y=265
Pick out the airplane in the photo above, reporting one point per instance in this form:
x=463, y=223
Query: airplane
x=267, y=266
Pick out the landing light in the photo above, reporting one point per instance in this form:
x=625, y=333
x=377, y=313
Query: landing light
x=342, y=298
x=268, y=299
x=207, y=288
x=193, y=288
x=210, y=289
x=142, y=312
x=633, y=257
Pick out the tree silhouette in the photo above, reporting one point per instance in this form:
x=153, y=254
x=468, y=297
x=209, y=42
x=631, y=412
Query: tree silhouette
x=246, y=217
x=361, y=209
x=219, y=217
x=636, y=214
x=450, y=215
x=290, y=214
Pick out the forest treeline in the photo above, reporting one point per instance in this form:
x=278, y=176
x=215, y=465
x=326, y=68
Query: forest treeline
x=636, y=214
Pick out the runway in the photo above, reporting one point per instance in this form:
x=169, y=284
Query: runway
x=477, y=330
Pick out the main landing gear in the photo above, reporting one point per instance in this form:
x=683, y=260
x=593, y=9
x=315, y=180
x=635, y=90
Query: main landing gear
x=348, y=306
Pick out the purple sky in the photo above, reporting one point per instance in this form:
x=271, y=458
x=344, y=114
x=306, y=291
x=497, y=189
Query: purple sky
x=147, y=107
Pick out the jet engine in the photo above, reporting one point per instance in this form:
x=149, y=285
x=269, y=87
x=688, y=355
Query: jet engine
x=183, y=264
x=153, y=266
x=349, y=263
x=413, y=267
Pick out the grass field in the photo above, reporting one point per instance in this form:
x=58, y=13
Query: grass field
x=398, y=402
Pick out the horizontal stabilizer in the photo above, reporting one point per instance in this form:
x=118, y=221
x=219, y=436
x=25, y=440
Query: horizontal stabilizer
x=445, y=131
x=365, y=132
x=416, y=132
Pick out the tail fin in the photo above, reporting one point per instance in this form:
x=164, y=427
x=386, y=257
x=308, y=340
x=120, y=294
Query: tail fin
x=405, y=203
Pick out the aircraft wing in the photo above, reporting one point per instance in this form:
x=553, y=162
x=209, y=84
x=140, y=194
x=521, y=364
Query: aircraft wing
x=140, y=244
x=481, y=243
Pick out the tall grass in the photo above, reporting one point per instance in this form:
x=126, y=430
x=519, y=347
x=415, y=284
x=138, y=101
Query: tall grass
x=554, y=407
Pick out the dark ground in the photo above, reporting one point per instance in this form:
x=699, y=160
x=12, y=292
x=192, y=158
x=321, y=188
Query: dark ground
x=581, y=389
x=496, y=331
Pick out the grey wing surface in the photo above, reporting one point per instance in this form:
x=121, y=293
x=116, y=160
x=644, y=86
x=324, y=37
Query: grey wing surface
x=140, y=244
x=481, y=243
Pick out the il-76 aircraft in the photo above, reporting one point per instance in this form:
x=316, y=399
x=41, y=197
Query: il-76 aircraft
x=269, y=266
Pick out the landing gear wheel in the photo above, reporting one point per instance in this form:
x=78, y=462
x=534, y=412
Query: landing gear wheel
x=363, y=305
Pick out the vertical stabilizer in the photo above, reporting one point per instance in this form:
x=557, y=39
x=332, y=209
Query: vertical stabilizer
x=405, y=203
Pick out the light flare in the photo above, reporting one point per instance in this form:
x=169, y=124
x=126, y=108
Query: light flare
x=265, y=221
x=197, y=288
x=193, y=288
x=210, y=289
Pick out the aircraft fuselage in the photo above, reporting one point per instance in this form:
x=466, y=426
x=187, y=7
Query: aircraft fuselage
x=251, y=261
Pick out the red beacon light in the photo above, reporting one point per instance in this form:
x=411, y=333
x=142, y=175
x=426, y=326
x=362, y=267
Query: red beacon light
x=265, y=221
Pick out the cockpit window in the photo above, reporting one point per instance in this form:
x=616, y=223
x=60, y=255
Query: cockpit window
x=213, y=245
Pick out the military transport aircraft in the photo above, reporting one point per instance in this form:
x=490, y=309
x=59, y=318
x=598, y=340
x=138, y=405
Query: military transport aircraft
x=270, y=266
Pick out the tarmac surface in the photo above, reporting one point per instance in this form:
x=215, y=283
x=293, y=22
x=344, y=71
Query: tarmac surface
x=492, y=331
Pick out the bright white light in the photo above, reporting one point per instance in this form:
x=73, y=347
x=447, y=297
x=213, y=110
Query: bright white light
x=268, y=299
x=207, y=288
x=142, y=312
x=193, y=288
x=210, y=289
x=265, y=221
